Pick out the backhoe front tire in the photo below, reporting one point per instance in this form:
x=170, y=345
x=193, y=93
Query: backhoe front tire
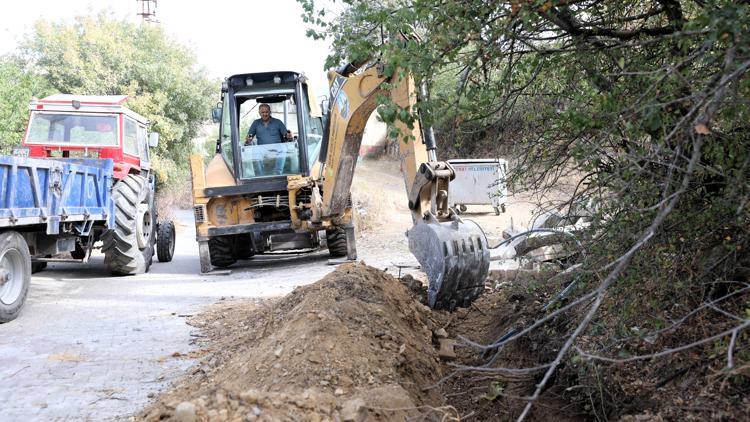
x=243, y=246
x=124, y=252
x=221, y=250
x=336, y=241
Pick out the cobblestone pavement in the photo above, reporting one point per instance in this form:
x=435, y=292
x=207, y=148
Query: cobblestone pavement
x=92, y=347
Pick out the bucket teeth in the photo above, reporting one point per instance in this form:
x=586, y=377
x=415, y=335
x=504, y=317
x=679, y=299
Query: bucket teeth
x=456, y=259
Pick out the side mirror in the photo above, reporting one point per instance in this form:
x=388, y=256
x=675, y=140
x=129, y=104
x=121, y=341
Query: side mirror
x=153, y=139
x=324, y=106
x=216, y=114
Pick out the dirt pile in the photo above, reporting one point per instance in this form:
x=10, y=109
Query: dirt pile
x=353, y=345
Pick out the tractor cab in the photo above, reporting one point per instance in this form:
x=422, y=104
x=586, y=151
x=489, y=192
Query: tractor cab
x=89, y=126
x=295, y=121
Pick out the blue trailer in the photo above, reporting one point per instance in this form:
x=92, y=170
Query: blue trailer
x=47, y=208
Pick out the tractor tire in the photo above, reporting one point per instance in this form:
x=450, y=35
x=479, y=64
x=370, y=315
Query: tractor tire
x=15, y=273
x=336, y=241
x=221, y=250
x=129, y=247
x=165, y=241
x=243, y=246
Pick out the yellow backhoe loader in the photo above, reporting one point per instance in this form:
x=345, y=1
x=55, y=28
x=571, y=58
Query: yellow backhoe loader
x=254, y=198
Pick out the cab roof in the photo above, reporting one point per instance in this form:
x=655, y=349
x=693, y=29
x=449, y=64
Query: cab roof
x=262, y=78
x=261, y=83
x=86, y=104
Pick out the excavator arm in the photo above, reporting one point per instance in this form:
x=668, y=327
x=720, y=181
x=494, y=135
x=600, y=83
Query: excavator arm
x=452, y=252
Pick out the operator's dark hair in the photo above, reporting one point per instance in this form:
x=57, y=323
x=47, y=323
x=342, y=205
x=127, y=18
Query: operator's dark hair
x=264, y=105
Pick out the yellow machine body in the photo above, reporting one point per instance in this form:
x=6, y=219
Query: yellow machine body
x=241, y=210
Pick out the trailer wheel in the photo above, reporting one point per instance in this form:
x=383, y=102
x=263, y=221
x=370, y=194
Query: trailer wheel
x=336, y=241
x=165, y=240
x=221, y=249
x=129, y=247
x=15, y=274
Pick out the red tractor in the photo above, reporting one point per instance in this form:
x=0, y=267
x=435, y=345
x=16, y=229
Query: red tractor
x=89, y=127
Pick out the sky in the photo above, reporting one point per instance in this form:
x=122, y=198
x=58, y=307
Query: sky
x=228, y=36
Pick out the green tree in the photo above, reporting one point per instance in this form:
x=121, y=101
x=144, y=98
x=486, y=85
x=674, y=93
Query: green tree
x=17, y=87
x=644, y=102
x=100, y=55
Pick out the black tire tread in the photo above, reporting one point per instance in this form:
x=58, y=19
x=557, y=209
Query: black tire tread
x=165, y=241
x=120, y=245
x=221, y=250
x=243, y=247
x=336, y=241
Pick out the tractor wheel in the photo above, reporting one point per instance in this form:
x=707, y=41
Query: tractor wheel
x=129, y=247
x=243, y=246
x=221, y=249
x=15, y=274
x=165, y=241
x=336, y=240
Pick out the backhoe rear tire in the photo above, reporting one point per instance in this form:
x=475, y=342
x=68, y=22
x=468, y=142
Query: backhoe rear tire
x=124, y=252
x=221, y=250
x=336, y=241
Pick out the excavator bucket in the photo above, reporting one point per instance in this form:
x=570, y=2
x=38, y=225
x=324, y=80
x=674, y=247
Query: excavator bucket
x=455, y=257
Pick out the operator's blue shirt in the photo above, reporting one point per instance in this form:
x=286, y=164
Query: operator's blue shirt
x=272, y=132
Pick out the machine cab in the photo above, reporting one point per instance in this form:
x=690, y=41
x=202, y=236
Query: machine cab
x=89, y=126
x=286, y=144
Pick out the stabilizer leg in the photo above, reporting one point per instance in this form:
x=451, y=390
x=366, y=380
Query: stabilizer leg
x=351, y=243
x=205, y=259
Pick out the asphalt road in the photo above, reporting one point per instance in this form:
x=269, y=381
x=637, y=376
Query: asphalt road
x=88, y=346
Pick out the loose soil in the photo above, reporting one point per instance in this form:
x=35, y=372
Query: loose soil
x=357, y=344
x=360, y=344
x=354, y=342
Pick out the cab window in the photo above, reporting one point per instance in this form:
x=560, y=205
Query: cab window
x=225, y=134
x=143, y=144
x=313, y=131
x=261, y=158
x=77, y=129
x=130, y=137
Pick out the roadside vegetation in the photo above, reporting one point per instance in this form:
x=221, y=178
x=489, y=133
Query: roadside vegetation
x=645, y=104
x=101, y=55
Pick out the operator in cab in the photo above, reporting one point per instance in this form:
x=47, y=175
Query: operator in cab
x=268, y=130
